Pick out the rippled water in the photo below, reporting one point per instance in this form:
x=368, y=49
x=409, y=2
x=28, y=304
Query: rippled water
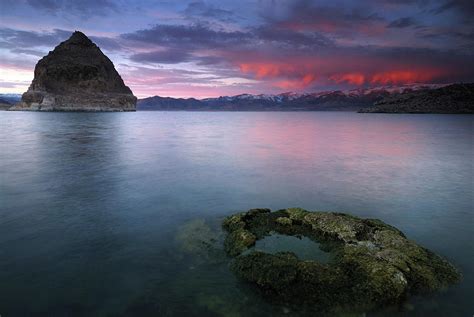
x=103, y=214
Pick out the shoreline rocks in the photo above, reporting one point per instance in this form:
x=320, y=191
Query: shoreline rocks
x=76, y=76
x=373, y=264
x=452, y=99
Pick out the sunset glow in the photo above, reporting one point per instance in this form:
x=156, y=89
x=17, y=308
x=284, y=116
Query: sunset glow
x=212, y=48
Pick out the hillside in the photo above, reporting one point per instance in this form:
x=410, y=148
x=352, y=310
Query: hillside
x=456, y=98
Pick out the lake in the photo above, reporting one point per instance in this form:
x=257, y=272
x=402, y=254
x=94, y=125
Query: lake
x=100, y=212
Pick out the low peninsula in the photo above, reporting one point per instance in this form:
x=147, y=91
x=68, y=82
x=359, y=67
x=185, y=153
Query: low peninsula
x=456, y=98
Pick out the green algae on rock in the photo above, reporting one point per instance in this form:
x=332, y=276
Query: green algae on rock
x=373, y=263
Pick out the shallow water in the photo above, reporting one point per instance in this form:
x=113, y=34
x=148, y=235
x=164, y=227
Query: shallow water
x=303, y=247
x=118, y=213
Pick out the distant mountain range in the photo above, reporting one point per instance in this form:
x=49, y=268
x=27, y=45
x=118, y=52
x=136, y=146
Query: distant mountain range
x=10, y=98
x=418, y=98
x=351, y=100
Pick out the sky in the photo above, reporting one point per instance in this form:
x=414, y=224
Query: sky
x=225, y=47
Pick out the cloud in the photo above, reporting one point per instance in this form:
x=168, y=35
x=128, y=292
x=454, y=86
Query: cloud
x=84, y=8
x=186, y=36
x=405, y=76
x=217, y=48
x=260, y=46
x=22, y=41
x=288, y=58
x=198, y=36
x=166, y=56
x=349, y=78
x=201, y=9
x=464, y=7
x=335, y=20
x=148, y=81
x=282, y=37
x=207, y=46
x=361, y=66
x=27, y=39
x=402, y=23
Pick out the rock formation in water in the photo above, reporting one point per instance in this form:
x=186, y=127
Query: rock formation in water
x=373, y=264
x=457, y=98
x=77, y=76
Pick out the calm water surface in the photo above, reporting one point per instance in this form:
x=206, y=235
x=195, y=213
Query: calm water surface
x=100, y=213
x=303, y=247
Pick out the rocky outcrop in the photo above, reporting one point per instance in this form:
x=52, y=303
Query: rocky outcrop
x=77, y=76
x=457, y=98
x=373, y=264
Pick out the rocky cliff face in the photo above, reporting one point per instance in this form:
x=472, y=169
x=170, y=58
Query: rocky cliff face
x=457, y=98
x=77, y=76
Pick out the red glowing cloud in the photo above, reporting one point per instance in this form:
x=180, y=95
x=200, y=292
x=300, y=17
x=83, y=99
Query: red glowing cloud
x=294, y=78
x=266, y=70
x=356, y=71
x=350, y=78
x=388, y=77
x=404, y=76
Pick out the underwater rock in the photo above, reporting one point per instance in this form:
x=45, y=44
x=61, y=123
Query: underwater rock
x=219, y=305
x=195, y=236
x=200, y=241
x=373, y=263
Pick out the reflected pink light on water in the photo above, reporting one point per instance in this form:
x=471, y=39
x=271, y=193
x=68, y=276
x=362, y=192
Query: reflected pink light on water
x=308, y=140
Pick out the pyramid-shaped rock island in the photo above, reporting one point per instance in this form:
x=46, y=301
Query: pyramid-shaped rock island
x=77, y=76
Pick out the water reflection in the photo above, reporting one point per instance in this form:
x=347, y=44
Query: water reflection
x=92, y=205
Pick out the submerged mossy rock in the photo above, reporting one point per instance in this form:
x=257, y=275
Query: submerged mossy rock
x=373, y=264
x=201, y=241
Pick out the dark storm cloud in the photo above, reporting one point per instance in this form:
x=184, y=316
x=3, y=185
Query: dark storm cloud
x=464, y=7
x=403, y=23
x=187, y=36
x=423, y=56
x=330, y=19
x=206, y=46
x=283, y=37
